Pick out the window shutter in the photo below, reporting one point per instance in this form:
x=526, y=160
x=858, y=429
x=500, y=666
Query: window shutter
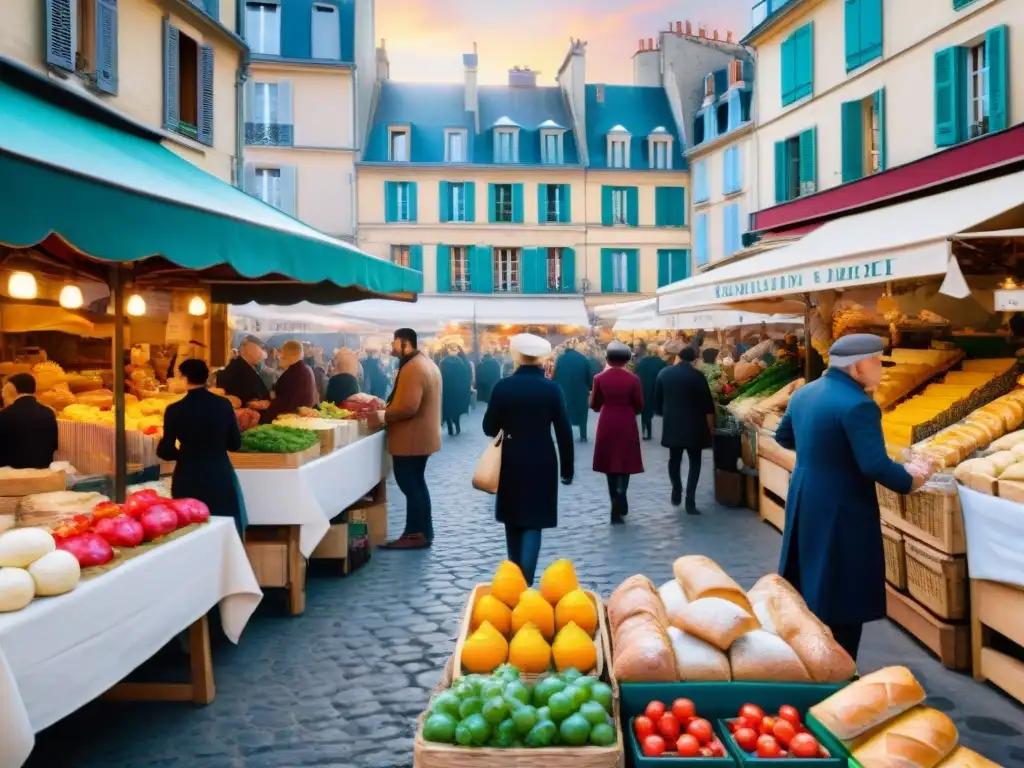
x=607, y=215
x=568, y=270
x=249, y=178
x=106, y=46
x=701, y=240
x=481, y=270
x=852, y=22
x=390, y=201
x=727, y=162
x=853, y=140
x=804, y=52
x=249, y=106
x=517, y=203
x=879, y=104
x=444, y=201
x=664, y=267
x=285, y=121
x=470, y=203
x=491, y=217
x=542, y=203
x=808, y=162
x=205, y=110
x=632, y=206
x=788, y=75
x=950, y=110
x=528, y=270
x=565, y=212
x=213, y=9
x=61, y=43
x=607, y=271
x=416, y=257
x=413, y=206
x=660, y=207
x=681, y=207
x=171, y=70
x=633, y=271
x=735, y=110
x=871, y=30
x=781, y=188
x=680, y=265
x=444, y=269
x=998, y=78
x=288, y=191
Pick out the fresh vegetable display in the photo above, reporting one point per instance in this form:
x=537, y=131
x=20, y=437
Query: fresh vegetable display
x=158, y=521
x=272, y=438
x=500, y=710
x=89, y=549
x=769, y=381
x=328, y=410
x=247, y=418
x=780, y=736
x=121, y=531
x=362, y=405
x=676, y=731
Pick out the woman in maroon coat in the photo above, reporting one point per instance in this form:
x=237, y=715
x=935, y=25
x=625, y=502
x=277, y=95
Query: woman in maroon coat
x=618, y=397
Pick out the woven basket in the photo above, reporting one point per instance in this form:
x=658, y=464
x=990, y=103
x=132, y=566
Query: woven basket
x=890, y=501
x=936, y=580
x=895, y=557
x=933, y=515
x=9, y=504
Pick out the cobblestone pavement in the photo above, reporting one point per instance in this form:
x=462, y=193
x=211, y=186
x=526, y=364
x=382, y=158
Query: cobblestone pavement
x=343, y=684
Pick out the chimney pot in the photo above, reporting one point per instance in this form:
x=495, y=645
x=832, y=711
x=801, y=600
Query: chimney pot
x=689, y=28
x=640, y=45
x=679, y=27
x=728, y=36
x=650, y=43
x=716, y=34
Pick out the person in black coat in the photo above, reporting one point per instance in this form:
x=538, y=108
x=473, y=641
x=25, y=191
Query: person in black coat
x=524, y=407
x=647, y=369
x=456, y=383
x=683, y=399
x=241, y=378
x=375, y=378
x=574, y=374
x=28, y=429
x=199, y=430
x=487, y=375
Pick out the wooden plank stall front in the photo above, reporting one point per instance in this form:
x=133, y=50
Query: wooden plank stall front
x=997, y=607
x=774, y=490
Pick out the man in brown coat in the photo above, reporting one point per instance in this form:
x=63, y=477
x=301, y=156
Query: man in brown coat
x=413, y=421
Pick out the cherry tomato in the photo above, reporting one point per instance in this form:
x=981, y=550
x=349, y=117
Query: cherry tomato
x=746, y=738
x=824, y=753
x=784, y=732
x=746, y=722
x=701, y=730
x=655, y=710
x=804, y=745
x=731, y=725
x=767, y=746
x=654, y=746
x=717, y=748
x=668, y=727
x=789, y=714
x=752, y=712
x=687, y=746
x=767, y=725
x=684, y=710
x=643, y=727
x=705, y=752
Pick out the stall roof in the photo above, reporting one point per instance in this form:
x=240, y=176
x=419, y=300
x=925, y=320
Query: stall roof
x=118, y=195
x=624, y=308
x=904, y=241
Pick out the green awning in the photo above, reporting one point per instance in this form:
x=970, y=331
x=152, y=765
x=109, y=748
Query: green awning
x=117, y=195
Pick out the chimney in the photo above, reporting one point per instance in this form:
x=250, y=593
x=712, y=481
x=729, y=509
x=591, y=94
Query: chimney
x=650, y=43
x=716, y=34
x=679, y=27
x=689, y=29
x=728, y=36
x=702, y=32
x=469, y=63
x=522, y=77
x=640, y=45
x=383, y=64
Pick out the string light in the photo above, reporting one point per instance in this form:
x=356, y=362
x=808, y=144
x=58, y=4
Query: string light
x=136, y=305
x=197, y=307
x=71, y=297
x=22, y=285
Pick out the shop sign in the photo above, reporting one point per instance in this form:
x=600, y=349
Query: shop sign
x=807, y=280
x=179, y=328
x=1009, y=301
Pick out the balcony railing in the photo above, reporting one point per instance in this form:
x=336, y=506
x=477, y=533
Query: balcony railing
x=765, y=8
x=268, y=135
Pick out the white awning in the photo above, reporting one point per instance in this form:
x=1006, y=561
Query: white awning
x=621, y=309
x=645, y=321
x=715, y=319
x=898, y=242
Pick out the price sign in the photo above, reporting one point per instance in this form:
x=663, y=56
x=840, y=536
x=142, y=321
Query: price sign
x=1009, y=301
x=179, y=328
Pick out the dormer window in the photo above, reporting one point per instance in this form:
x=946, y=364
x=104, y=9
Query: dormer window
x=455, y=140
x=618, y=147
x=551, y=143
x=735, y=73
x=506, y=140
x=398, y=144
x=709, y=87
x=659, y=147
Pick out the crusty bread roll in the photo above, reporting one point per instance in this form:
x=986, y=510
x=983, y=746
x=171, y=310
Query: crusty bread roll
x=697, y=661
x=824, y=658
x=637, y=600
x=920, y=738
x=772, y=584
x=760, y=656
x=630, y=584
x=1007, y=442
x=962, y=757
x=869, y=701
x=645, y=655
x=791, y=616
x=642, y=622
x=701, y=576
x=674, y=600
x=764, y=617
x=716, y=620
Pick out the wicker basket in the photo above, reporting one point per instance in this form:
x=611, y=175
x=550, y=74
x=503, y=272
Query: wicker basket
x=936, y=580
x=890, y=501
x=895, y=557
x=933, y=515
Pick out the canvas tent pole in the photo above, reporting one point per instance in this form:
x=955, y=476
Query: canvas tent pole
x=807, y=337
x=117, y=359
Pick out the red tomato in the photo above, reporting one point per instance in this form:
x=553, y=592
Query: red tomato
x=753, y=713
x=824, y=753
x=746, y=738
x=767, y=746
x=717, y=748
x=746, y=722
x=654, y=746
x=701, y=730
x=683, y=709
x=668, y=727
x=705, y=752
x=784, y=732
x=643, y=727
x=655, y=710
x=789, y=714
x=804, y=745
x=767, y=725
x=687, y=746
x=731, y=725
x=783, y=754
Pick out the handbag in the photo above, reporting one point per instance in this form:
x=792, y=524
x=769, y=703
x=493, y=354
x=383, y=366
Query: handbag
x=488, y=468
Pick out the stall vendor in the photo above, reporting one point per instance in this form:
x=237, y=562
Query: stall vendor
x=296, y=388
x=28, y=429
x=241, y=378
x=345, y=382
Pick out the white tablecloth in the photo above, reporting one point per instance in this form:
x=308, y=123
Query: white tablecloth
x=995, y=537
x=315, y=492
x=60, y=653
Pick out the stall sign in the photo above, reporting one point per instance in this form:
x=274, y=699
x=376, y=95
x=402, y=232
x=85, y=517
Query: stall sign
x=179, y=328
x=1009, y=301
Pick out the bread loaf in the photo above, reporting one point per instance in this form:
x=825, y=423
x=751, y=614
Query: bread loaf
x=701, y=576
x=696, y=660
x=761, y=656
x=630, y=584
x=764, y=617
x=1007, y=442
x=962, y=757
x=869, y=701
x=674, y=600
x=644, y=654
x=824, y=658
x=773, y=584
x=637, y=600
x=920, y=738
x=639, y=622
x=716, y=620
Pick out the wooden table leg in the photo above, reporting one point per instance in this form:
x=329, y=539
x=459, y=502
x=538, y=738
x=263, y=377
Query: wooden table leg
x=296, y=574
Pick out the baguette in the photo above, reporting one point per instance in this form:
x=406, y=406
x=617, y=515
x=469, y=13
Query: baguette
x=701, y=576
x=826, y=661
x=696, y=660
x=773, y=584
x=761, y=656
x=868, y=702
x=962, y=757
x=644, y=655
x=716, y=621
x=920, y=738
x=637, y=600
x=674, y=600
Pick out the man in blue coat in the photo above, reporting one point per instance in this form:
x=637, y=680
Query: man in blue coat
x=575, y=376
x=832, y=547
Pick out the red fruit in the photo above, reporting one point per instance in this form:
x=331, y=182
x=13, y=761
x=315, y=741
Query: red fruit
x=643, y=727
x=140, y=501
x=823, y=753
x=194, y=510
x=668, y=727
x=655, y=710
x=784, y=732
x=180, y=512
x=88, y=549
x=120, y=531
x=158, y=521
x=767, y=726
x=804, y=745
x=753, y=713
x=687, y=746
x=705, y=752
x=746, y=738
x=789, y=714
x=684, y=710
x=654, y=746
x=767, y=746
x=106, y=509
x=717, y=748
x=746, y=722
x=701, y=730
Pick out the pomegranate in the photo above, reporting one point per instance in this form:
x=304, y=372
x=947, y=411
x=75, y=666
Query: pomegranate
x=158, y=521
x=120, y=531
x=140, y=501
x=89, y=549
x=196, y=510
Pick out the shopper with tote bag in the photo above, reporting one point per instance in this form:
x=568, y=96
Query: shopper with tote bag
x=522, y=458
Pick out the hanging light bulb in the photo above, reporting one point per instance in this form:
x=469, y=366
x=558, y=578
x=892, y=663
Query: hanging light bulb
x=136, y=305
x=22, y=285
x=71, y=297
x=197, y=306
x=1009, y=284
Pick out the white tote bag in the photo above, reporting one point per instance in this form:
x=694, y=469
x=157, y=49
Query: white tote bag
x=488, y=469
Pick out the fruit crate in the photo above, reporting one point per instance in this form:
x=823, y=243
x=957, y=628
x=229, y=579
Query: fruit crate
x=936, y=580
x=638, y=760
x=745, y=759
x=718, y=701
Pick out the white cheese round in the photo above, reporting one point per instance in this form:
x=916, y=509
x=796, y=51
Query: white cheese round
x=55, y=573
x=21, y=547
x=16, y=589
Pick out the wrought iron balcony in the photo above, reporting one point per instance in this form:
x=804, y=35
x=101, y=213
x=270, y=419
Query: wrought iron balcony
x=268, y=135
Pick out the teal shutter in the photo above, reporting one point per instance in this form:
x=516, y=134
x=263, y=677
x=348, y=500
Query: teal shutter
x=444, y=201
x=106, y=46
x=530, y=271
x=390, y=201
x=853, y=140
x=661, y=206
x=788, y=74
x=680, y=265
x=416, y=257
x=950, y=97
x=681, y=209
x=879, y=107
x=171, y=74
x=542, y=203
x=60, y=34
x=517, y=203
x=871, y=30
x=700, y=252
x=607, y=216
x=413, y=202
x=481, y=270
x=852, y=29
x=633, y=271
x=808, y=162
x=565, y=212
x=804, y=53
x=444, y=269
x=998, y=78
x=213, y=9
x=469, y=188
x=288, y=190
x=632, y=206
x=664, y=267
x=607, y=271
x=568, y=270
x=781, y=188
x=205, y=111
x=491, y=208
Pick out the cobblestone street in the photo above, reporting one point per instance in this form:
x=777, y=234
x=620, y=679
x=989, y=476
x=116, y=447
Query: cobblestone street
x=343, y=684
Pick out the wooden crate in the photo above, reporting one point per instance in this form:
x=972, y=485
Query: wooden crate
x=931, y=515
x=768, y=448
x=774, y=478
x=269, y=561
x=334, y=544
x=936, y=580
x=771, y=509
x=253, y=460
x=753, y=491
x=950, y=642
x=1000, y=608
x=729, y=488
x=895, y=557
x=277, y=561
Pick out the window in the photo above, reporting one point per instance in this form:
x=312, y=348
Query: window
x=326, y=32
x=619, y=206
x=661, y=153
x=554, y=270
x=400, y=255
x=620, y=272
x=792, y=168
x=398, y=145
x=81, y=37
x=265, y=103
x=699, y=132
x=455, y=145
x=402, y=201
x=85, y=56
x=977, y=91
x=798, y=65
x=709, y=86
x=460, y=269
x=863, y=136
x=551, y=148
x=796, y=172
x=506, y=146
x=503, y=203
x=701, y=190
x=268, y=186
x=722, y=118
x=188, y=85
x=263, y=28
x=268, y=110
x=863, y=32
x=735, y=72
x=553, y=210
x=506, y=270
x=700, y=239
x=673, y=266
x=732, y=178
x=457, y=203
x=670, y=206
x=972, y=88
x=619, y=151
x=731, y=230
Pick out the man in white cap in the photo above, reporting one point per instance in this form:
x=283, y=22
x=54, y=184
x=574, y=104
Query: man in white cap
x=832, y=546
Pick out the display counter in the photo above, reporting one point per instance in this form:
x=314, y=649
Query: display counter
x=84, y=643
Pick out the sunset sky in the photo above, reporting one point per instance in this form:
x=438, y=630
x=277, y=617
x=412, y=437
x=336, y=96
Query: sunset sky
x=425, y=38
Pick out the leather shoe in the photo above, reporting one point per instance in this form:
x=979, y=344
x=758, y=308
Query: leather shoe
x=677, y=497
x=408, y=541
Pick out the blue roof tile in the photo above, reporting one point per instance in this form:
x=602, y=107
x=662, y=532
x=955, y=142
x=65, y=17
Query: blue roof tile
x=639, y=109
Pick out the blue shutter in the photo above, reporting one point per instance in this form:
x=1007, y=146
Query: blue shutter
x=852, y=26
x=205, y=112
x=481, y=270
x=632, y=206
x=879, y=107
x=781, y=188
x=660, y=207
x=517, y=203
x=788, y=74
x=416, y=257
x=727, y=163
x=444, y=269
x=60, y=34
x=681, y=209
x=565, y=212
x=444, y=201
x=804, y=53
x=568, y=270
x=633, y=271
x=470, y=192
x=680, y=265
x=735, y=109
x=171, y=75
x=529, y=271
x=607, y=214
x=491, y=204
x=950, y=96
x=808, y=161
x=871, y=30
x=700, y=239
x=413, y=202
x=737, y=170
x=607, y=271
x=213, y=9
x=542, y=203
x=390, y=201
x=853, y=140
x=998, y=78
x=727, y=230
x=106, y=46
x=288, y=190
x=664, y=267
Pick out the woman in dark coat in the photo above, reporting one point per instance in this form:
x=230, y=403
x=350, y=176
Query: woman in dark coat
x=487, y=375
x=647, y=370
x=576, y=378
x=456, y=383
x=199, y=430
x=618, y=398
x=524, y=407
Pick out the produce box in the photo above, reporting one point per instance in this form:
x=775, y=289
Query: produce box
x=895, y=553
x=358, y=551
x=638, y=760
x=334, y=544
x=718, y=701
x=746, y=759
x=254, y=460
x=828, y=740
x=936, y=580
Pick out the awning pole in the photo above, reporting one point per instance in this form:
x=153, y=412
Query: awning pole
x=807, y=338
x=117, y=359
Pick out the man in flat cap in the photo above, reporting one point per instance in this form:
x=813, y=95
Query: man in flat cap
x=832, y=546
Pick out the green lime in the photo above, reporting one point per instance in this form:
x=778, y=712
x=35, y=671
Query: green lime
x=578, y=695
x=543, y=690
x=602, y=694
x=470, y=707
x=543, y=713
x=525, y=718
x=571, y=675
x=464, y=689
x=463, y=736
x=507, y=733
x=495, y=710
x=507, y=672
x=541, y=735
x=561, y=706
x=603, y=735
x=446, y=703
x=479, y=729
x=440, y=728
x=574, y=730
x=516, y=691
x=586, y=681
x=593, y=713
x=491, y=688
